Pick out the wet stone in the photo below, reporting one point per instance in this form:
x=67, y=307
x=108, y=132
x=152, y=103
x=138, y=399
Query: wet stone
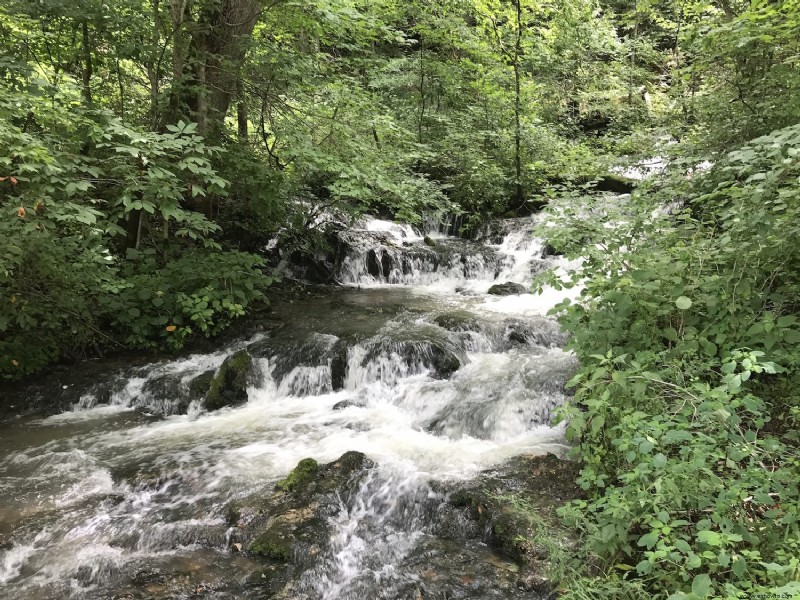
x=292, y=525
x=508, y=289
x=229, y=385
x=459, y=321
x=539, y=483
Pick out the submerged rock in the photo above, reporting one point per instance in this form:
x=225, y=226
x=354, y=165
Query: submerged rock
x=228, y=387
x=458, y=321
x=507, y=289
x=535, y=331
x=439, y=356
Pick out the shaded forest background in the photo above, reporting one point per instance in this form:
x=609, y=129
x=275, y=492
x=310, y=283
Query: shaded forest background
x=148, y=147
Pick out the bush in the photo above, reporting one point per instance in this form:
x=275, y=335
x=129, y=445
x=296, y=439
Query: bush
x=685, y=408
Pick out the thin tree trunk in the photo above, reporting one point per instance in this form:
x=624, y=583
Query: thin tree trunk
x=519, y=192
x=152, y=74
x=242, y=119
x=87, y=63
x=121, y=85
x=178, y=10
x=421, y=89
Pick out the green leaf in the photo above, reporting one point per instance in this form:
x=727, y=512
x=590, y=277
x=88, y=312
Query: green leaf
x=739, y=565
x=648, y=540
x=712, y=538
x=683, y=303
x=701, y=585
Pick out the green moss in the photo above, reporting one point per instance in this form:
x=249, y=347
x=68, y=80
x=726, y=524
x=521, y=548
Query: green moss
x=271, y=545
x=305, y=471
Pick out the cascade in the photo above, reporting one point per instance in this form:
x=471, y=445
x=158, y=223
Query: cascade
x=411, y=362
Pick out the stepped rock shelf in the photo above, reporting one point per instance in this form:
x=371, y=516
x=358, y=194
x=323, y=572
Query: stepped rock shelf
x=351, y=444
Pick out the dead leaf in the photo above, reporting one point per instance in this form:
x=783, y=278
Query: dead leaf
x=171, y=328
x=21, y=212
x=14, y=362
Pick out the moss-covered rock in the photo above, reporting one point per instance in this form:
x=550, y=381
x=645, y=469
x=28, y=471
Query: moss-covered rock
x=303, y=474
x=287, y=529
x=228, y=387
x=429, y=242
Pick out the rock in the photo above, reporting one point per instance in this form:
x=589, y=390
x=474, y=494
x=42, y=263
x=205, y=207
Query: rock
x=302, y=474
x=535, y=332
x=386, y=264
x=339, y=366
x=458, y=321
x=343, y=404
x=199, y=386
x=373, y=264
x=542, y=483
x=379, y=266
x=549, y=251
x=429, y=242
x=444, y=362
x=507, y=289
x=290, y=527
x=614, y=183
x=229, y=385
x=164, y=395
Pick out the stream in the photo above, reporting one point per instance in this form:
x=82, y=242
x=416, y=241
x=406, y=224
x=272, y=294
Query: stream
x=410, y=361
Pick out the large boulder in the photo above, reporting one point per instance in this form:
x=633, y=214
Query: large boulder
x=440, y=356
x=228, y=387
x=508, y=289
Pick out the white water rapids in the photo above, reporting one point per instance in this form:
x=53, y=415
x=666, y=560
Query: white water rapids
x=122, y=498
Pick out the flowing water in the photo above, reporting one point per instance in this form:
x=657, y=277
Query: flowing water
x=410, y=362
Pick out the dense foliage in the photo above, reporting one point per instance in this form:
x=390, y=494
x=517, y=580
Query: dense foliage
x=147, y=143
x=686, y=406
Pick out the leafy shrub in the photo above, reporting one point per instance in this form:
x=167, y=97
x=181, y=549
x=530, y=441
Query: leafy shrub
x=687, y=334
x=70, y=181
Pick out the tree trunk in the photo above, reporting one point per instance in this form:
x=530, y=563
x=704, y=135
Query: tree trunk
x=422, y=107
x=222, y=33
x=179, y=9
x=87, y=63
x=519, y=193
x=152, y=62
x=242, y=119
